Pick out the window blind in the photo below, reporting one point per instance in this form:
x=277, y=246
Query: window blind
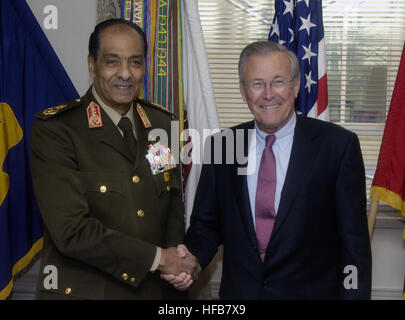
x=364, y=41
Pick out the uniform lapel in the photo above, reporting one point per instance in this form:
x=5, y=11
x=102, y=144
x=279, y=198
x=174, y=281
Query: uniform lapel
x=112, y=137
x=109, y=133
x=142, y=134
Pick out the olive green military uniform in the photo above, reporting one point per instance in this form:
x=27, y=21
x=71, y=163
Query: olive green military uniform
x=103, y=215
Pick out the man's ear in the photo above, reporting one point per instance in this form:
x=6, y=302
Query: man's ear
x=297, y=87
x=91, y=65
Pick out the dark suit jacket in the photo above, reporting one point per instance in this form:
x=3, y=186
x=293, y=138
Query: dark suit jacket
x=103, y=215
x=320, y=228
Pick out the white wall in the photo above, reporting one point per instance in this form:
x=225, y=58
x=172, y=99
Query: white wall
x=76, y=21
x=388, y=249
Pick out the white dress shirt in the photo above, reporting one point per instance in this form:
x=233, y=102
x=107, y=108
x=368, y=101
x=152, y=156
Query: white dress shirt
x=282, y=151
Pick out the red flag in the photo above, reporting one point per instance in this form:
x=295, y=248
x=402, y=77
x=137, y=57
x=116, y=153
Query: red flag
x=389, y=179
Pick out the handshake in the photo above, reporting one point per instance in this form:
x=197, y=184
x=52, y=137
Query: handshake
x=179, y=267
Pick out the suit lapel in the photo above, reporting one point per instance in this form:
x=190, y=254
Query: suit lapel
x=303, y=152
x=240, y=187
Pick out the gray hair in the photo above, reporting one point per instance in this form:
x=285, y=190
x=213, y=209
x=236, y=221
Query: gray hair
x=265, y=48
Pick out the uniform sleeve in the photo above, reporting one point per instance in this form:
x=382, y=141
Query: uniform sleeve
x=65, y=212
x=175, y=223
x=355, y=250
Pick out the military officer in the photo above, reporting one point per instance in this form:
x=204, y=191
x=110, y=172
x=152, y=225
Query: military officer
x=112, y=215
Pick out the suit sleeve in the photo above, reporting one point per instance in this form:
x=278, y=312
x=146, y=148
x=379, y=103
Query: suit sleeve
x=61, y=198
x=355, y=250
x=203, y=235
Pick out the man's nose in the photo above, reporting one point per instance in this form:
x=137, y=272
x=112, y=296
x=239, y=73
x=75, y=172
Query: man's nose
x=268, y=91
x=124, y=72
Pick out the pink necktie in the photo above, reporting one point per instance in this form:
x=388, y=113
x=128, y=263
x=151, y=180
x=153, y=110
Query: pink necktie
x=266, y=187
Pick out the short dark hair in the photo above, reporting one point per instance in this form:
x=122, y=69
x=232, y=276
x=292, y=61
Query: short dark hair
x=94, y=41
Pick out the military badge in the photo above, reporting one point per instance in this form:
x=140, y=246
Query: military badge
x=160, y=158
x=53, y=110
x=143, y=116
x=94, y=116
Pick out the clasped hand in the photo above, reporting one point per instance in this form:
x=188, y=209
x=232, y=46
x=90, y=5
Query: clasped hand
x=179, y=267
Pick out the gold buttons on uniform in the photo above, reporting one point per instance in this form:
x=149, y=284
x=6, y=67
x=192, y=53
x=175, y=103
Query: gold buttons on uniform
x=168, y=188
x=135, y=179
x=68, y=290
x=125, y=277
x=103, y=189
x=140, y=213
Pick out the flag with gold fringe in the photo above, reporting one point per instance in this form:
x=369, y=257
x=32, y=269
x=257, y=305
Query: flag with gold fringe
x=389, y=179
x=31, y=79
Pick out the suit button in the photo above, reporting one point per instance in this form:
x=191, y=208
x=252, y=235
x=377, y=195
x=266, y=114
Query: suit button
x=103, y=189
x=68, y=290
x=140, y=213
x=135, y=179
x=124, y=276
x=168, y=188
x=133, y=279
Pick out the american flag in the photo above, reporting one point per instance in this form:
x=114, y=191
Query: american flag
x=297, y=24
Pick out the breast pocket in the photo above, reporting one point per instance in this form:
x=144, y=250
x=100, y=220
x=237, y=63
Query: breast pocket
x=106, y=197
x=166, y=182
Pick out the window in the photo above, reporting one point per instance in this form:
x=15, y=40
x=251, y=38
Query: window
x=364, y=41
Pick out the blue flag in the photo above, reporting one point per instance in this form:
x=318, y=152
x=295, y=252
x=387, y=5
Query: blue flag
x=298, y=25
x=31, y=79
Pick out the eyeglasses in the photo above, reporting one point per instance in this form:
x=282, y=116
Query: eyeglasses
x=259, y=85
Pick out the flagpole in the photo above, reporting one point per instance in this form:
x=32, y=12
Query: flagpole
x=371, y=218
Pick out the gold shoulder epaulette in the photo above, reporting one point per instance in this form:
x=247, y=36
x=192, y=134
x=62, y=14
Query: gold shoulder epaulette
x=50, y=112
x=156, y=106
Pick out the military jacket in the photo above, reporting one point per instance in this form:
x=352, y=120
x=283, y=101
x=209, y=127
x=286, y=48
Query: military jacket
x=103, y=214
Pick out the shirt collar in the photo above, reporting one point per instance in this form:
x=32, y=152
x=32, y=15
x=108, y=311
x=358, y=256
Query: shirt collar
x=285, y=131
x=113, y=114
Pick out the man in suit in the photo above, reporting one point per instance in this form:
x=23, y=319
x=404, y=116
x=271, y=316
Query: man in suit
x=112, y=217
x=292, y=220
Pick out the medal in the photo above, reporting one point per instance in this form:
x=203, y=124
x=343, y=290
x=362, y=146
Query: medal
x=166, y=176
x=160, y=159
